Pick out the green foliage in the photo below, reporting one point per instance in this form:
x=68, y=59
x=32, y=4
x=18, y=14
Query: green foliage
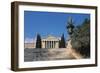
x=81, y=38
x=38, y=41
x=62, y=43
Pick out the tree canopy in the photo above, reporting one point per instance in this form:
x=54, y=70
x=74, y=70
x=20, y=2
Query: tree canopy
x=81, y=38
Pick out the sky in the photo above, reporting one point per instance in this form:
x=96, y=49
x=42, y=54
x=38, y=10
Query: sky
x=49, y=23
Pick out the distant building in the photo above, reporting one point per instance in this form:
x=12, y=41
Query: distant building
x=48, y=42
x=29, y=45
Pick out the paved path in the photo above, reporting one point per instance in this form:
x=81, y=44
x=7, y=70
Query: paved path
x=38, y=54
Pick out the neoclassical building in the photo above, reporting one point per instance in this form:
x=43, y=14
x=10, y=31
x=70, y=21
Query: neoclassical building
x=47, y=42
x=50, y=42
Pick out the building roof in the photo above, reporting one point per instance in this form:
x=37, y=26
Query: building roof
x=51, y=38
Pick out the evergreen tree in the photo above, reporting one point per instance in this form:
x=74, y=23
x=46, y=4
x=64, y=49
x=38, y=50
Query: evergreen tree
x=59, y=43
x=62, y=43
x=38, y=41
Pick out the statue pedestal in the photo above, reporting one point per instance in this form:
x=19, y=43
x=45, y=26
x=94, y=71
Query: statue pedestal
x=72, y=52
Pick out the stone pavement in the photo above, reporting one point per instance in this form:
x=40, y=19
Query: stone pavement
x=45, y=54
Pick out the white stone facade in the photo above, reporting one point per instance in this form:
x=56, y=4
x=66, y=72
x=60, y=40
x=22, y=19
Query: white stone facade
x=48, y=42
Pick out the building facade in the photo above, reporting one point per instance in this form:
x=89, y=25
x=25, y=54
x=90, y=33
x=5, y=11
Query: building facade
x=50, y=42
x=47, y=42
x=29, y=45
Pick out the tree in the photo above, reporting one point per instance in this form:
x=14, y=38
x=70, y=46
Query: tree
x=59, y=43
x=38, y=41
x=62, y=43
x=81, y=38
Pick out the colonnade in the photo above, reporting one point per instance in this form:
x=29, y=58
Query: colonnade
x=50, y=44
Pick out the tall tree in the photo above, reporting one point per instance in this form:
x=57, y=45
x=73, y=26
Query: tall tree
x=38, y=41
x=81, y=38
x=62, y=43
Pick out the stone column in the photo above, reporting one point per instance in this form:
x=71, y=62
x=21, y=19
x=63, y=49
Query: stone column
x=45, y=44
x=53, y=44
x=48, y=44
x=57, y=44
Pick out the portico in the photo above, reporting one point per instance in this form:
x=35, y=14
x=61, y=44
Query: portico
x=50, y=42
